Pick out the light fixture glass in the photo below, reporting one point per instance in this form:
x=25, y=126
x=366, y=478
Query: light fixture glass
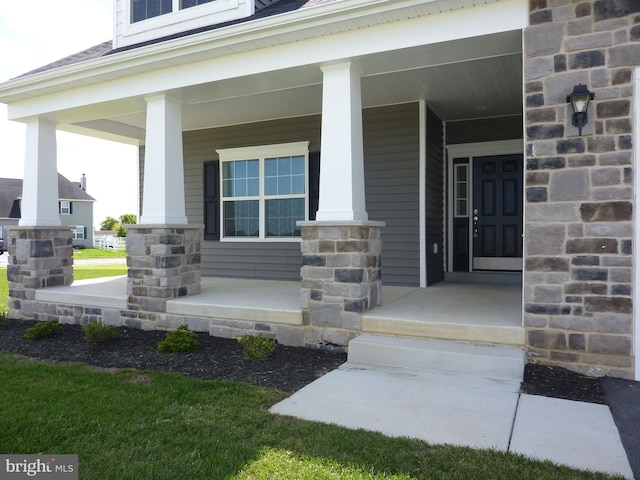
x=579, y=100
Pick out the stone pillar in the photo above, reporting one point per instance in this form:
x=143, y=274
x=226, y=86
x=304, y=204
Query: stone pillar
x=578, y=272
x=39, y=257
x=164, y=263
x=340, y=278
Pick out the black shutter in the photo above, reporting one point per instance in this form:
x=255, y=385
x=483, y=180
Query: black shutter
x=59, y=208
x=85, y=233
x=70, y=208
x=212, y=200
x=314, y=183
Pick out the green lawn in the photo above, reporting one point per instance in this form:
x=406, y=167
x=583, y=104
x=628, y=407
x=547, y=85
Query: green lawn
x=98, y=253
x=150, y=425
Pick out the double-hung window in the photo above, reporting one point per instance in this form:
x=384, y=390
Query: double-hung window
x=78, y=232
x=65, y=207
x=264, y=191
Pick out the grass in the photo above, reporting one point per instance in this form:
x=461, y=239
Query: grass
x=98, y=253
x=164, y=426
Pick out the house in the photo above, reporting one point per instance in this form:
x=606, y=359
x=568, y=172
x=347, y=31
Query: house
x=75, y=207
x=299, y=139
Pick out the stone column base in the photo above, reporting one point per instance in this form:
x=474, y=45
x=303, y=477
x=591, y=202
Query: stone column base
x=341, y=279
x=39, y=257
x=164, y=263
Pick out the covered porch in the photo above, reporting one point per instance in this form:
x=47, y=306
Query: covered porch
x=490, y=313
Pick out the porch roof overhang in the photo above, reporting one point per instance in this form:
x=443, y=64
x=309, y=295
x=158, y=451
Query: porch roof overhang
x=459, y=59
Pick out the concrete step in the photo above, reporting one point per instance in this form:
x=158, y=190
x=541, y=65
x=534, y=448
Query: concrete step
x=500, y=362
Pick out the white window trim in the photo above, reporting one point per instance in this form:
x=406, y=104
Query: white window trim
x=68, y=207
x=74, y=233
x=260, y=153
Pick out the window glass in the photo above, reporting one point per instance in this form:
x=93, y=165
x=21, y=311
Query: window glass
x=282, y=216
x=193, y=3
x=461, y=190
x=284, y=175
x=144, y=9
x=241, y=218
x=241, y=178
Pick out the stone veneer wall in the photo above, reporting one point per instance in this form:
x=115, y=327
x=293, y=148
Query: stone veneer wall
x=39, y=257
x=164, y=263
x=340, y=278
x=578, y=286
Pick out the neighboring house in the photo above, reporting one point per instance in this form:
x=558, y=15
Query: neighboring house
x=75, y=207
x=437, y=131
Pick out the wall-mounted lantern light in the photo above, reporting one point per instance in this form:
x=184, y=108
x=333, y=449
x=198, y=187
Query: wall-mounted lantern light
x=579, y=100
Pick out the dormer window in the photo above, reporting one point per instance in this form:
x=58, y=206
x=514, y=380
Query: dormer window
x=139, y=21
x=193, y=3
x=144, y=9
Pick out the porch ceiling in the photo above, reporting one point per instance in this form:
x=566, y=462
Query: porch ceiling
x=464, y=79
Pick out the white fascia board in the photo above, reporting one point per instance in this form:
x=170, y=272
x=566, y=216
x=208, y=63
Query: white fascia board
x=161, y=65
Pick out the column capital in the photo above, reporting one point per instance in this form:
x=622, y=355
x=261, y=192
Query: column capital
x=154, y=97
x=337, y=66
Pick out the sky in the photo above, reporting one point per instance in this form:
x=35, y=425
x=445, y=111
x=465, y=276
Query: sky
x=27, y=41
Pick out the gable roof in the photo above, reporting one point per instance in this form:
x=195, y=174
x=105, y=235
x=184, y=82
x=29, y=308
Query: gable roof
x=106, y=48
x=11, y=192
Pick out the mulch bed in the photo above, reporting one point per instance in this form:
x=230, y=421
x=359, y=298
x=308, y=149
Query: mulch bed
x=287, y=369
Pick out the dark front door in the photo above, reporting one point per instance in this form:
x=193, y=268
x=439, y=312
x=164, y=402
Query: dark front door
x=497, y=212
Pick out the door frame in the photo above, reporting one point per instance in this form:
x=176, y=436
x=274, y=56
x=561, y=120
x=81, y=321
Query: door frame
x=469, y=151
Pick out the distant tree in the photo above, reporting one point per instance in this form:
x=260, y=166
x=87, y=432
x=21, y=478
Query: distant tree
x=110, y=223
x=126, y=219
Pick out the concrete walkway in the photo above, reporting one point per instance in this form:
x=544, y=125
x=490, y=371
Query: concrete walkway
x=462, y=410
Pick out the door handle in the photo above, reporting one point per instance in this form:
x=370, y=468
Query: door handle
x=475, y=223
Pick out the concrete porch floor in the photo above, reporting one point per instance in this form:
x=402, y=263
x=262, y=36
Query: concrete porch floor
x=462, y=310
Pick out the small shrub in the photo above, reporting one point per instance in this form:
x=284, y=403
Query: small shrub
x=180, y=340
x=256, y=348
x=96, y=333
x=43, y=330
x=4, y=316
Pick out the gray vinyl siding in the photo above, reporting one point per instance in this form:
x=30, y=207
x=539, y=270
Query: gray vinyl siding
x=392, y=150
x=82, y=215
x=265, y=260
x=434, y=183
x=391, y=175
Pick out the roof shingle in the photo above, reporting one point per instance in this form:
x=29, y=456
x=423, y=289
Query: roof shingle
x=11, y=192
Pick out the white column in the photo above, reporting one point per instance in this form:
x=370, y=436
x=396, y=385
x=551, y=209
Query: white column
x=39, y=206
x=342, y=169
x=163, y=194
